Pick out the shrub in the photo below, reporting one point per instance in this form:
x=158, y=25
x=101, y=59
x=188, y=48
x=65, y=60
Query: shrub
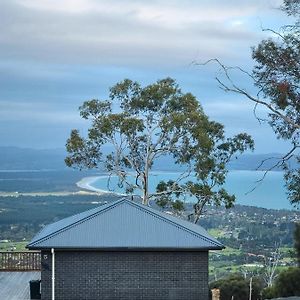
x=287, y=283
x=238, y=287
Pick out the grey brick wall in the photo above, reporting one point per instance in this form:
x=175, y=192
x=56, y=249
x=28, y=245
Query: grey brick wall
x=90, y=275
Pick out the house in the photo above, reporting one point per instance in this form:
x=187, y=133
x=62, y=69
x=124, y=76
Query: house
x=124, y=250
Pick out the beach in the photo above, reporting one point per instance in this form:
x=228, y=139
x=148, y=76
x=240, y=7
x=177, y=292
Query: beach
x=87, y=184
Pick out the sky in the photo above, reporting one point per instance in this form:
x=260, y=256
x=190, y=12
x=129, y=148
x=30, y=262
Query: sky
x=55, y=54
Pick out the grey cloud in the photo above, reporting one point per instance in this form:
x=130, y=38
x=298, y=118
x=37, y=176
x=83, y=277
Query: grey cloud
x=42, y=112
x=53, y=58
x=120, y=39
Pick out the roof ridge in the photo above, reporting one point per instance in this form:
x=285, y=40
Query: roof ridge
x=101, y=209
x=166, y=219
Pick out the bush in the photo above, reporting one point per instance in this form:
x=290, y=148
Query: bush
x=238, y=287
x=269, y=293
x=286, y=285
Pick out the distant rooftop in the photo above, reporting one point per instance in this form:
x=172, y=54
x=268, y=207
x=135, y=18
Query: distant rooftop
x=124, y=224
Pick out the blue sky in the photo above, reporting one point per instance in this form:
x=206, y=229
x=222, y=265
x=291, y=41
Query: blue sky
x=54, y=54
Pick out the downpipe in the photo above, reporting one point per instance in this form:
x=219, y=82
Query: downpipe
x=53, y=273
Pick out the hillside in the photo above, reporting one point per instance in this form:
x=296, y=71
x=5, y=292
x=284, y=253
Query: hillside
x=14, y=158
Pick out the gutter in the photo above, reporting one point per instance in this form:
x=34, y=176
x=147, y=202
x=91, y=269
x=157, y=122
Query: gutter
x=127, y=248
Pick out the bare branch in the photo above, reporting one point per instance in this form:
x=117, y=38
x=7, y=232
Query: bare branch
x=224, y=67
x=169, y=192
x=281, y=161
x=271, y=264
x=235, y=89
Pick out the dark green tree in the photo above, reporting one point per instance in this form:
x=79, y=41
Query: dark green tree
x=286, y=284
x=143, y=124
x=276, y=75
x=237, y=287
x=292, y=7
x=297, y=242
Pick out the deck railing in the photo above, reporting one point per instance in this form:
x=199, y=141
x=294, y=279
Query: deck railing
x=20, y=261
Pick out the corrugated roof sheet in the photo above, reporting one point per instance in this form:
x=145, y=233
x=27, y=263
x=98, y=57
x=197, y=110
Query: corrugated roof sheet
x=123, y=224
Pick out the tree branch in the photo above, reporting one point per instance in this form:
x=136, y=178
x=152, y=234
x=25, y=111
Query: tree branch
x=236, y=89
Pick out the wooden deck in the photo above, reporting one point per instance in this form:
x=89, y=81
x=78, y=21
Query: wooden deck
x=15, y=285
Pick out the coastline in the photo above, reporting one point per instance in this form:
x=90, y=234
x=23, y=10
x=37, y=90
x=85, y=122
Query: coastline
x=238, y=183
x=86, y=183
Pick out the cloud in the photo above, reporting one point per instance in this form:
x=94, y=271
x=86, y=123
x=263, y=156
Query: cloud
x=34, y=112
x=54, y=54
x=136, y=33
x=166, y=13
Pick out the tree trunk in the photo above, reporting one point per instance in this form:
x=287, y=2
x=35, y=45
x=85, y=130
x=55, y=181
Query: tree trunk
x=198, y=208
x=145, y=199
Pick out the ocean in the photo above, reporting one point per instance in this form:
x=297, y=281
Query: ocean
x=270, y=193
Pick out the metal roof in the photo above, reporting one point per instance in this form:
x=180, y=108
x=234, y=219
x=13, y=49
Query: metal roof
x=124, y=224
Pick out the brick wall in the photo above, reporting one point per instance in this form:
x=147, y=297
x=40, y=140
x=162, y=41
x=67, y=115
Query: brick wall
x=126, y=275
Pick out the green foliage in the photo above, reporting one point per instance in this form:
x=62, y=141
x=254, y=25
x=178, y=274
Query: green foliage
x=177, y=205
x=292, y=7
x=297, y=242
x=142, y=124
x=238, y=287
x=292, y=178
x=277, y=76
x=286, y=284
x=269, y=293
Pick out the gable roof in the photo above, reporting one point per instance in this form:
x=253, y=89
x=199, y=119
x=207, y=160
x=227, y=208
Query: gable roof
x=123, y=224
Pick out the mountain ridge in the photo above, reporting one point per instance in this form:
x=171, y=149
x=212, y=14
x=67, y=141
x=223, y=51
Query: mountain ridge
x=16, y=158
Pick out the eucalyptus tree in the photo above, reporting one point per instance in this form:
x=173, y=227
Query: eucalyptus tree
x=147, y=124
x=276, y=76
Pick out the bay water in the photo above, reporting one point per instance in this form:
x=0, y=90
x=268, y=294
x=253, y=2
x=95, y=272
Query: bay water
x=269, y=193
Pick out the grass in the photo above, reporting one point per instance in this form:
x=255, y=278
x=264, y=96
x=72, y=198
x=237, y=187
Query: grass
x=216, y=232
x=13, y=246
x=226, y=252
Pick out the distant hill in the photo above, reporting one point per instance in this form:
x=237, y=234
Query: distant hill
x=243, y=162
x=14, y=158
x=257, y=161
